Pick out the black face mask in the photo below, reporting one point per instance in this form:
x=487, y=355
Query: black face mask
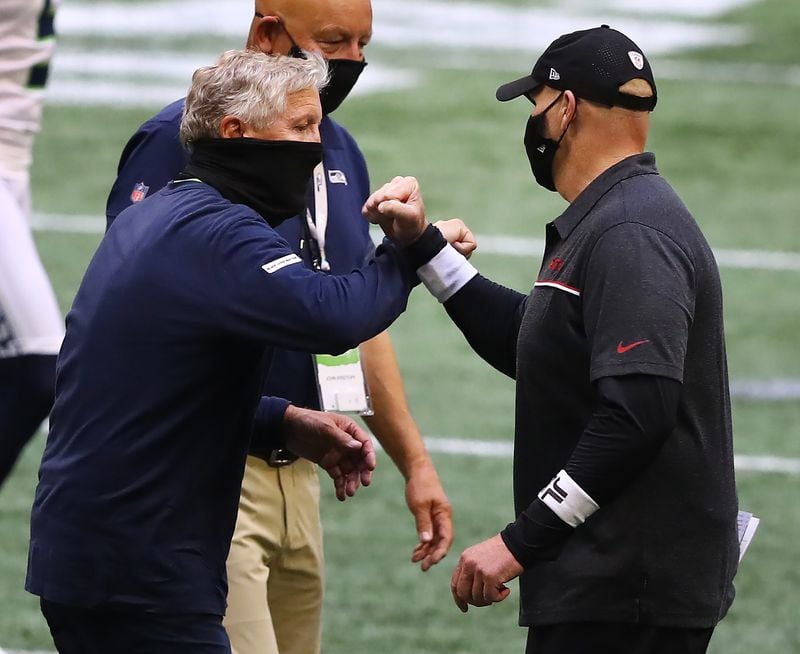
x=540, y=149
x=268, y=176
x=344, y=74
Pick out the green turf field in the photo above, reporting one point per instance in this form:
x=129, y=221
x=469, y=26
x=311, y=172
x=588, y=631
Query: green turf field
x=730, y=149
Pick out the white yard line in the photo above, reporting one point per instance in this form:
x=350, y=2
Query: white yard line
x=499, y=245
x=135, y=79
x=514, y=246
x=509, y=35
x=68, y=224
x=407, y=23
x=505, y=449
x=766, y=389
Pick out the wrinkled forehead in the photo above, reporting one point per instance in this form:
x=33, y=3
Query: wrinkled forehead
x=313, y=15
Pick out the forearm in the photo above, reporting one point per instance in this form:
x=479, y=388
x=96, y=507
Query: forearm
x=633, y=417
x=489, y=316
x=392, y=423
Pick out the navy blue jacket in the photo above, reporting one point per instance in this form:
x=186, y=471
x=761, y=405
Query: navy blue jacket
x=157, y=386
x=154, y=156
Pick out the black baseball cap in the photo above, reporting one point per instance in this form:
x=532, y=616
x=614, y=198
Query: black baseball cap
x=591, y=63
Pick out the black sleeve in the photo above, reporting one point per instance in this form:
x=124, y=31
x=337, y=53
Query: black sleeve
x=268, y=427
x=633, y=417
x=489, y=315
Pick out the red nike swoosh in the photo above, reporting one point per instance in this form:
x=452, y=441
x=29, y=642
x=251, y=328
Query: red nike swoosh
x=622, y=349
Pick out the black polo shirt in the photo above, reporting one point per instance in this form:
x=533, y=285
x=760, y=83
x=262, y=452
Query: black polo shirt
x=628, y=287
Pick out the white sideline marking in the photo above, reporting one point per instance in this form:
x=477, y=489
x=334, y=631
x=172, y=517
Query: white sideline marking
x=753, y=463
x=741, y=72
x=729, y=73
x=500, y=245
x=117, y=78
x=126, y=78
x=68, y=224
x=427, y=22
x=505, y=449
x=765, y=389
x=514, y=246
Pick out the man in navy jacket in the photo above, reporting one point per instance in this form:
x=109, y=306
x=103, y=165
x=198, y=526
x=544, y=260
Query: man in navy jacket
x=160, y=375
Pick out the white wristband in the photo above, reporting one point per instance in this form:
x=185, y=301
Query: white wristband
x=446, y=273
x=568, y=500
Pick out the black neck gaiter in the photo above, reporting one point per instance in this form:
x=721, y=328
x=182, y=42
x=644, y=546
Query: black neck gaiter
x=268, y=176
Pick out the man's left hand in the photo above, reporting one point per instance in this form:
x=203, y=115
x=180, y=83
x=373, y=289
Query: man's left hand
x=433, y=516
x=482, y=572
x=336, y=443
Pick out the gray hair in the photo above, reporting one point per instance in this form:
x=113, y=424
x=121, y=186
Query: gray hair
x=249, y=85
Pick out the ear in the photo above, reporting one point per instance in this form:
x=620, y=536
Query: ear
x=569, y=105
x=263, y=34
x=231, y=127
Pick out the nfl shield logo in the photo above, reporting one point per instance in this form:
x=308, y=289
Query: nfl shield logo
x=139, y=192
x=636, y=59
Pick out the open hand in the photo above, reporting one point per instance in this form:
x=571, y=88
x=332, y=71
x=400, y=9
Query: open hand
x=433, y=515
x=335, y=442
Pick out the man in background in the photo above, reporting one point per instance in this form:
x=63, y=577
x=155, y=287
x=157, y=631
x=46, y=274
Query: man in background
x=275, y=568
x=31, y=327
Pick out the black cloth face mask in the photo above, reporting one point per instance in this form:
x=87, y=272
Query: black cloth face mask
x=542, y=150
x=343, y=75
x=268, y=176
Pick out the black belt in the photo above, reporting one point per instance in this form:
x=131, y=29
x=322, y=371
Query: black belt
x=280, y=457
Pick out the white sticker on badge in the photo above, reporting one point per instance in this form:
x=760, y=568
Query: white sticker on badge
x=341, y=383
x=275, y=266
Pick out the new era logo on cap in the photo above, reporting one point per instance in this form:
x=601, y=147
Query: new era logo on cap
x=554, y=74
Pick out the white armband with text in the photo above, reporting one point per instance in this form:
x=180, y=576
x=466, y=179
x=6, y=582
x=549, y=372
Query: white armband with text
x=567, y=500
x=446, y=273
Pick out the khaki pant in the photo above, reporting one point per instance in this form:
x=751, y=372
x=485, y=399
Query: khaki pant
x=275, y=566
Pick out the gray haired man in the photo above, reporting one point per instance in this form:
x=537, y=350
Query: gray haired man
x=158, y=394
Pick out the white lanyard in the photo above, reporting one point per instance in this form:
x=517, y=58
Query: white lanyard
x=318, y=228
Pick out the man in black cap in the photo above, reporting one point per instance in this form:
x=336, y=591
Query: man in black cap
x=625, y=536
